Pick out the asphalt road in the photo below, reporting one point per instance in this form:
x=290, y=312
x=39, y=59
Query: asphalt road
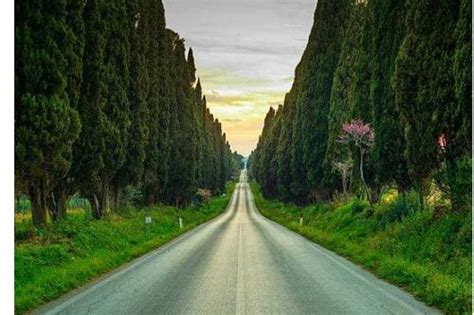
x=239, y=263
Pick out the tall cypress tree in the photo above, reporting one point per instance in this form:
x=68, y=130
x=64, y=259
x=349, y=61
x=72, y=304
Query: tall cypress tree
x=459, y=123
x=158, y=55
x=343, y=94
x=316, y=69
x=184, y=164
x=283, y=153
x=422, y=82
x=62, y=186
x=200, y=111
x=132, y=170
x=103, y=105
x=117, y=97
x=46, y=89
x=390, y=164
x=457, y=117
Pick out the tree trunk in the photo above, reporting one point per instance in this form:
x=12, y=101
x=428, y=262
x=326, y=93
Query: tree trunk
x=57, y=204
x=420, y=187
x=150, y=198
x=38, y=210
x=104, y=200
x=344, y=182
x=421, y=199
x=375, y=195
x=361, y=166
x=96, y=209
x=366, y=189
x=115, y=199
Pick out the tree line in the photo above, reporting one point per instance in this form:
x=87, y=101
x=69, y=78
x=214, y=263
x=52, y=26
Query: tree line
x=404, y=68
x=105, y=98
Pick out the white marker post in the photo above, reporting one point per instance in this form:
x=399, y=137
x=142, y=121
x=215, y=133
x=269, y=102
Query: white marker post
x=147, y=223
x=180, y=222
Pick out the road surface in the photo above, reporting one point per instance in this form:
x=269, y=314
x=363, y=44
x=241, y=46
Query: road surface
x=239, y=263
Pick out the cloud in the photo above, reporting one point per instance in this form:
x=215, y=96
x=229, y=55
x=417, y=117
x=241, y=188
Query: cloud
x=231, y=120
x=246, y=52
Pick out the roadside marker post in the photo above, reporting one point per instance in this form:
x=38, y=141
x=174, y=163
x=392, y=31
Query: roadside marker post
x=147, y=223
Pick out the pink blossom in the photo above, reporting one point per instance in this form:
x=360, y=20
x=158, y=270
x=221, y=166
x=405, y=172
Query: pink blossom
x=442, y=141
x=356, y=131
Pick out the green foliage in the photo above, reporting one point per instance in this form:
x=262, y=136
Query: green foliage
x=397, y=210
x=357, y=206
x=456, y=183
x=425, y=253
x=402, y=66
x=116, y=71
x=63, y=256
x=132, y=197
x=422, y=83
x=48, y=41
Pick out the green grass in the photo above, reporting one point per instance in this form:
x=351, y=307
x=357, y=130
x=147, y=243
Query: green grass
x=427, y=252
x=51, y=262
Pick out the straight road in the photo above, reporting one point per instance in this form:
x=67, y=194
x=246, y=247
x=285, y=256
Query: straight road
x=239, y=263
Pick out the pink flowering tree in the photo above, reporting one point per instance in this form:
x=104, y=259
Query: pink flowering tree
x=362, y=136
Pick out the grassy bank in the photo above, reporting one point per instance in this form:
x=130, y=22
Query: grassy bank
x=51, y=262
x=427, y=252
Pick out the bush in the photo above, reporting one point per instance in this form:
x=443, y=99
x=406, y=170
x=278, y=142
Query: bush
x=460, y=182
x=357, y=206
x=395, y=211
x=132, y=197
x=456, y=183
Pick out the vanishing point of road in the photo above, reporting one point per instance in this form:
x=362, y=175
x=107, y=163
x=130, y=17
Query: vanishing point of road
x=239, y=263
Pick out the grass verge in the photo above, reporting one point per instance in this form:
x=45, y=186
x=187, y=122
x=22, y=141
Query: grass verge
x=51, y=262
x=422, y=251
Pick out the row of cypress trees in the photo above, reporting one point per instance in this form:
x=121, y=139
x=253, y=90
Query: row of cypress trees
x=106, y=98
x=402, y=66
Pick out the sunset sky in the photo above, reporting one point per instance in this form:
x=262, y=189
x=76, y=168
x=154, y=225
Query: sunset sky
x=246, y=52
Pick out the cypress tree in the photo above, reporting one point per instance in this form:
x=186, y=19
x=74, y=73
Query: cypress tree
x=342, y=100
x=184, y=164
x=316, y=69
x=270, y=154
x=46, y=122
x=200, y=110
x=132, y=170
x=284, y=178
x=117, y=96
x=458, y=124
x=103, y=105
x=158, y=58
x=422, y=82
x=390, y=164
x=72, y=48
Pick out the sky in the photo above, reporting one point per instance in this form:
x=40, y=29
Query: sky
x=245, y=52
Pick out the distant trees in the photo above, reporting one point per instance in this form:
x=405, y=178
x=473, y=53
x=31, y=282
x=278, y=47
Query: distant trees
x=106, y=99
x=401, y=66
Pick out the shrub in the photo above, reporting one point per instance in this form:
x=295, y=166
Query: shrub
x=357, y=206
x=460, y=183
x=132, y=197
x=395, y=211
x=455, y=183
